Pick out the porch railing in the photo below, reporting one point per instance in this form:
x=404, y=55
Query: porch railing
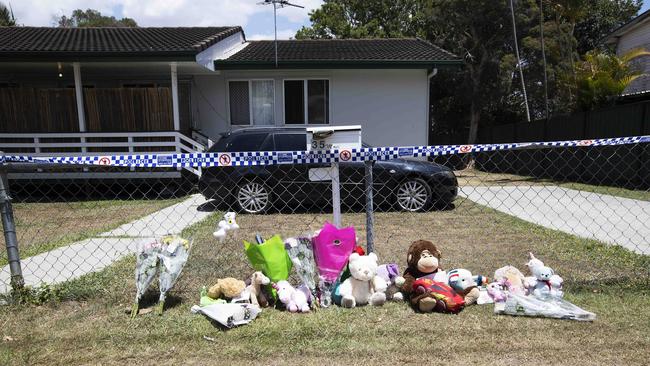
x=99, y=143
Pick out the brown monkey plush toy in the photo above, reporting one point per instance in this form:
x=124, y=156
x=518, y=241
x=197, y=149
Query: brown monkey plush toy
x=423, y=261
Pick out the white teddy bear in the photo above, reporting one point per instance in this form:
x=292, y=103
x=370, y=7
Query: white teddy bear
x=544, y=281
x=293, y=299
x=363, y=286
x=228, y=223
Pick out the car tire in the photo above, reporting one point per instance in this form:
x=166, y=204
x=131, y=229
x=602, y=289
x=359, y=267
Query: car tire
x=253, y=197
x=413, y=194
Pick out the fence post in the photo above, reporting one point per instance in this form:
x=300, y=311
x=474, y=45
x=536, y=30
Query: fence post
x=370, y=219
x=9, y=227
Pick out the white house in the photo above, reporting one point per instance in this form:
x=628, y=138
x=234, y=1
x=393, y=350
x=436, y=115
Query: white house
x=93, y=90
x=632, y=35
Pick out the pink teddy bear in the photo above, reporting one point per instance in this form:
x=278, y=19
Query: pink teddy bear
x=498, y=290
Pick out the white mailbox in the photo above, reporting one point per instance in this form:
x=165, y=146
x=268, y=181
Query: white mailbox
x=333, y=137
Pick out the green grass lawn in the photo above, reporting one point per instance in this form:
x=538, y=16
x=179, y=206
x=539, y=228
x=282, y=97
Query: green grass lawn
x=45, y=226
x=92, y=325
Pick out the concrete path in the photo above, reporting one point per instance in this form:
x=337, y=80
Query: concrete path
x=610, y=219
x=92, y=255
x=170, y=220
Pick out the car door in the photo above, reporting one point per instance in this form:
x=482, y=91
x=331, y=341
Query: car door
x=353, y=181
x=244, y=142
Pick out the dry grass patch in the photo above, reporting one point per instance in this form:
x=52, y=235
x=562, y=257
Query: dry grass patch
x=45, y=226
x=93, y=325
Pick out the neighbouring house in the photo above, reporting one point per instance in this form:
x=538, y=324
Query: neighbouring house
x=99, y=90
x=632, y=35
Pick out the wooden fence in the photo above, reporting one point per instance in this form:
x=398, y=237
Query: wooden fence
x=38, y=110
x=128, y=109
x=627, y=166
x=28, y=110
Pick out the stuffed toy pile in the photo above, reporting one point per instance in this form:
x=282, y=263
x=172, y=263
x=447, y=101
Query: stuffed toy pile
x=331, y=269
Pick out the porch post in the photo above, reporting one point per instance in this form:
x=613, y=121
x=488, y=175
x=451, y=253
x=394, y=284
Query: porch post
x=177, y=123
x=79, y=95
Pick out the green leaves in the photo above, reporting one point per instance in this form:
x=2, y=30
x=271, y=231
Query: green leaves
x=603, y=76
x=362, y=19
x=93, y=18
x=6, y=17
x=487, y=89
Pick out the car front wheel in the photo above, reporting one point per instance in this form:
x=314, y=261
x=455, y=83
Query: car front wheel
x=253, y=197
x=414, y=194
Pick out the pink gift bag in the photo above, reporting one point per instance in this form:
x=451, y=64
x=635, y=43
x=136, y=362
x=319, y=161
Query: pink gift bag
x=332, y=247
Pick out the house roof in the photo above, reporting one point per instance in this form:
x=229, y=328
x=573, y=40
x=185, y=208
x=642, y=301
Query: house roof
x=620, y=31
x=62, y=44
x=343, y=53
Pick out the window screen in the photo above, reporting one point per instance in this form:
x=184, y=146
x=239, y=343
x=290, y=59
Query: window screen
x=239, y=103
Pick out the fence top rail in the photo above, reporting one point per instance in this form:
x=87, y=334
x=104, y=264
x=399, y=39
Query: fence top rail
x=55, y=135
x=214, y=159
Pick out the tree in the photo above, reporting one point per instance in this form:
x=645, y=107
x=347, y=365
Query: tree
x=361, y=19
x=602, y=17
x=93, y=18
x=479, y=32
x=570, y=28
x=6, y=17
x=487, y=90
x=476, y=30
x=603, y=76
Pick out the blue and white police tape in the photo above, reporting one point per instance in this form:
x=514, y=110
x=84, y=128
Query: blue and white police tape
x=304, y=157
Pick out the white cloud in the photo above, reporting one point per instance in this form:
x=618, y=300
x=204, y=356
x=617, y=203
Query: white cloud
x=43, y=12
x=160, y=12
x=282, y=34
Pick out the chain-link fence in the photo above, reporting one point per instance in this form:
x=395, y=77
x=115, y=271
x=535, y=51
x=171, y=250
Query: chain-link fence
x=585, y=209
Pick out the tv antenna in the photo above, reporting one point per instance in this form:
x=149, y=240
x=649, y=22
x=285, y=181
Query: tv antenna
x=277, y=4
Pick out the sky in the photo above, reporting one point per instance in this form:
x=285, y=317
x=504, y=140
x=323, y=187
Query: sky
x=257, y=20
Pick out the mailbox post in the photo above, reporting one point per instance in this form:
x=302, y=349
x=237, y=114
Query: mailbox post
x=340, y=138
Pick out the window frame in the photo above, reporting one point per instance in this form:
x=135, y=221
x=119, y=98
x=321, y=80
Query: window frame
x=250, y=99
x=306, y=101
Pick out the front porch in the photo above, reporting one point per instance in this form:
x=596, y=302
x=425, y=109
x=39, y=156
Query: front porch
x=54, y=109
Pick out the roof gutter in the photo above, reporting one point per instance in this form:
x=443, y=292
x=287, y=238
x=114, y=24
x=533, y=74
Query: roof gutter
x=335, y=64
x=98, y=56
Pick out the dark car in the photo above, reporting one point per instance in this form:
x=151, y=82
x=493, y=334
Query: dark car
x=409, y=185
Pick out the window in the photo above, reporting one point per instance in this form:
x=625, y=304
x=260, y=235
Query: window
x=306, y=101
x=241, y=142
x=290, y=142
x=251, y=102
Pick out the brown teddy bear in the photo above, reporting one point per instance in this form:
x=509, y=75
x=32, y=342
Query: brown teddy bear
x=423, y=261
x=227, y=288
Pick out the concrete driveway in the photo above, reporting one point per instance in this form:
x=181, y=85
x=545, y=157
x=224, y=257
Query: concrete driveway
x=94, y=254
x=610, y=219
